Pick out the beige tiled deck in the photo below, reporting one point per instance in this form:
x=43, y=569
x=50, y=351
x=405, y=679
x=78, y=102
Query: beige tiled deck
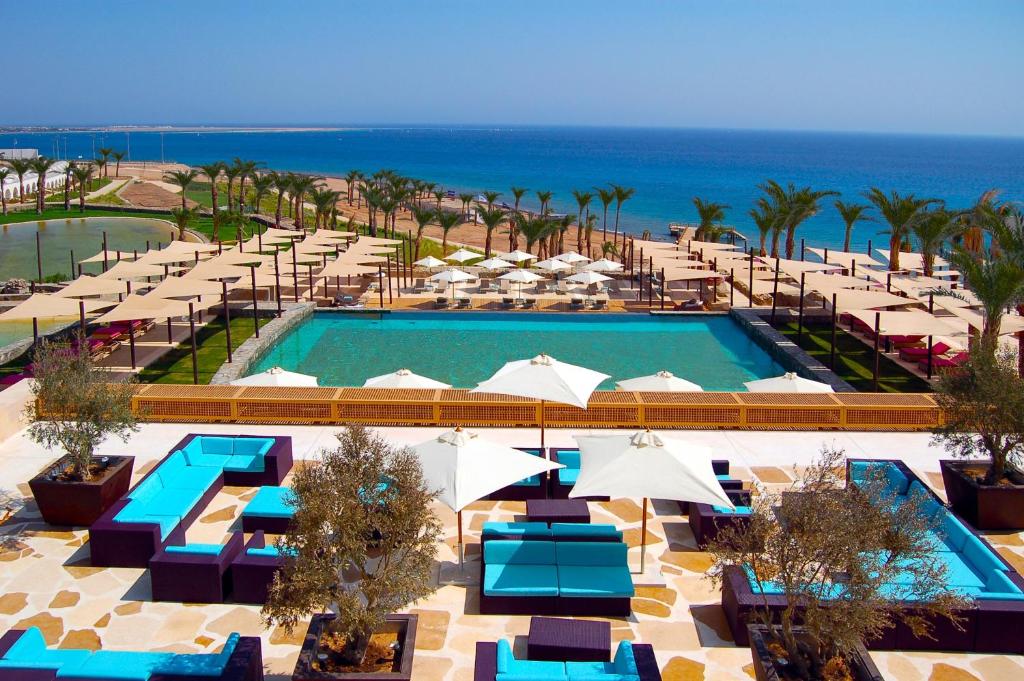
x=46, y=578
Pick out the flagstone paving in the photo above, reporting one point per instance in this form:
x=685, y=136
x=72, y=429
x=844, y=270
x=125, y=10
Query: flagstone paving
x=46, y=580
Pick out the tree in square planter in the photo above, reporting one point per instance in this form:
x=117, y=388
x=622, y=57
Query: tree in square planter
x=362, y=545
x=983, y=404
x=829, y=566
x=76, y=407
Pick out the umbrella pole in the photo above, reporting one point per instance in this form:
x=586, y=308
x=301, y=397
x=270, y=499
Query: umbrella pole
x=192, y=338
x=227, y=317
x=461, y=565
x=643, y=536
x=542, y=428
x=131, y=342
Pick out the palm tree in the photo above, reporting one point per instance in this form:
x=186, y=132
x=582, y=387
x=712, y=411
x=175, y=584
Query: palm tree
x=20, y=166
x=932, y=232
x=534, y=229
x=766, y=219
x=439, y=194
x=118, y=155
x=851, y=213
x=545, y=199
x=466, y=199
x=422, y=217
x=794, y=207
x=709, y=213
x=491, y=197
x=281, y=183
x=564, y=224
x=213, y=171
x=231, y=173
x=41, y=165
x=491, y=217
x=350, y=182
x=101, y=167
x=4, y=173
x=517, y=194
x=446, y=221
x=183, y=219
x=583, y=200
x=978, y=218
x=605, y=196
x=247, y=169
x=388, y=205
x=261, y=184
x=301, y=185
x=372, y=196
x=183, y=179
x=105, y=153
x=902, y=213
x=609, y=249
x=323, y=203
x=622, y=194
x=82, y=173
x=998, y=283
x=67, y=184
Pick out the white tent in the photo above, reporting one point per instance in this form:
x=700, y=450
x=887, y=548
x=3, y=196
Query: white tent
x=647, y=465
x=517, y=256
x=546, y=379
x=787, y=383
x=463, y=468
x=276, y=376
x=463, y=255
x=662, y=381
x=403, y=378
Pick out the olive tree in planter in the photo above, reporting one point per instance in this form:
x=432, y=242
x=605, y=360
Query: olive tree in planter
x=822, y=560
x=362, y=545
x=76, y=407
x=983, y=405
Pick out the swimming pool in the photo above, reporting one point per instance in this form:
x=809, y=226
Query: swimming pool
x=466, y=348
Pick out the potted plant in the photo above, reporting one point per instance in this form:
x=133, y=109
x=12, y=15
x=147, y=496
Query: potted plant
x=829, y=567
x=76, y=407
x=362, y=545
x=983, y=405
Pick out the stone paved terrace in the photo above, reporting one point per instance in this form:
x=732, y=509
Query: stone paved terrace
x=46, y=578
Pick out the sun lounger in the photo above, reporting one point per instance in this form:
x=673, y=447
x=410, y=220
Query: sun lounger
x=905, y=341
x=600, y=304
x=917, y=354
x=562, y=287
x=577, y=304
x=441, y=303
x=530, y=304
x=463, y=303
x=507, y=303
x=939, y=363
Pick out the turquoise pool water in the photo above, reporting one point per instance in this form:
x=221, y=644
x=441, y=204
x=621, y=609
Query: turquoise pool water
x=466, y=348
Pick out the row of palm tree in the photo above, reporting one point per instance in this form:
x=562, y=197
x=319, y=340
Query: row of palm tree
x=103, y=161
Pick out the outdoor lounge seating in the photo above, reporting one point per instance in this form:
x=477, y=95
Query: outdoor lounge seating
x=247, y=460
x=26, y=656
x=253, y=570
x=940, y=363
x=563, y=479
x=441, y=303
x=632, y=662
x=552, y=531
x=917, y=354
x=194, y=573
x=706, y=521
x=993, y=622
x=555, y=577
x=270, y=510
x=533, y=487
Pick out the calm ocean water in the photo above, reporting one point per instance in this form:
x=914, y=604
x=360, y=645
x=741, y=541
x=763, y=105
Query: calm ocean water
x=667, y=167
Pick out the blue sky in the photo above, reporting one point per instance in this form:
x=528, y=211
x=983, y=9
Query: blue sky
x=942, y=66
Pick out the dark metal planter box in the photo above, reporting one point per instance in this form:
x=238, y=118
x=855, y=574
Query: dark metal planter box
x=79, y=504
x=861, y=665
x=405, y=625
x=986, y=507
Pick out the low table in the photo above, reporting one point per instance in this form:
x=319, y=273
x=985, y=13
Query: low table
x=558, y=510
x=555, y=639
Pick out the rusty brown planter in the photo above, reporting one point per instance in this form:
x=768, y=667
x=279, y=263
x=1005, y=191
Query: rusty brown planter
x=79, y=504
x=766, y=667
x=986, y=507
x=404, y=625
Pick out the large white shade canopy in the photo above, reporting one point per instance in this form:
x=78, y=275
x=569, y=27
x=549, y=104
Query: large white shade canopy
x=429, y=261
x=452, y=276
x=544, y=378
x=603, y=265
x=572, y=257
x=553, y=265
x=787, y=383
x=647, y=464
x=517, y=256
x=276, y=376
x=663, y=381
x=521, y=276
x=464, y=467
x=463, y=255
x=587, y=278
x=403, y=378
x=494, y=264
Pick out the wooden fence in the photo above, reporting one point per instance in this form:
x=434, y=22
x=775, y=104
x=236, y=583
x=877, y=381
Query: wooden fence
x=403, y=407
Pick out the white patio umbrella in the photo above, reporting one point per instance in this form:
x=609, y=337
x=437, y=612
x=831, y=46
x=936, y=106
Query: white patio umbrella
x=588, y=278
x=517, y=256
x=403, y=378
x=463, y=255
x=546, y=379
x=494, y=264
x=521, y=277
x=603, y=265
x=276, y=376
x=648, y=465
x=553, y=265
x=429, y=261
x=463, y=468
x=662, y=381
x=572, y=257
x=452, y=276
x=789, y=382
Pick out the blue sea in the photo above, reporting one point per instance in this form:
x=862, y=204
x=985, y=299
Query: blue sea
x=667, y=167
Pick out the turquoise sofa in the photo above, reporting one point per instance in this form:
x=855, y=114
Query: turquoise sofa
x=543, y=577
x=632, y=662
x=554, y=531
x=271, y=510
x=25, y=654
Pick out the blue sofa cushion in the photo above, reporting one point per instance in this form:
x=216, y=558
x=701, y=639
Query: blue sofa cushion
x=197, y=457
x=271, y=502
x=980, y=557
x=894, y=479
x=585, y=530
x=264, y=552
x=193, y=477
x=954, y=534
x=200, y=664
x=253, y=446
x=167, y=523
x=624, y=660
x=30, y=652
x=738, y=510
x=245, y=463
x=571, y=473
x=147, y=489
x=517, y=552
x=959, y=572
x=508, y=667
x=591, y=553
x=594, y=581
x=174, y=502
x=216, y=445
x=520, y=580
x=132, y=666
x=999, y=582
x=201, y=549
x=526, y=530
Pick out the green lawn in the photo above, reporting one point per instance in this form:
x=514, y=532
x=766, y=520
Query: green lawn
x=57, y=195
x=203, y=225
x=211, y=353
x=855, y=361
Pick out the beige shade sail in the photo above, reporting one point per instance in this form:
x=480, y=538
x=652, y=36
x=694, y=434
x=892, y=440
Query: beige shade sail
x=377, y=241
x=905, y=323
x=341, y=268
x=1009, y=324
x=794, y=268
x=45, y=305
x=92, y=286
x=833, y=281
x=767, y=286
x=168, y=257
x=690, y=274
x=187, y=287
x=151, y=307
x=705, y=246
x=137, y=270
x=237, y=257
x=846, y=258
x=649, y=245
x=361, y=258
x=911, y=260
x=856, y=299
x=315, y=248
x=366, y=250
x=743, y=274
x=287, y=234
x=331, y=234
x=213, y=270
x=109, y=256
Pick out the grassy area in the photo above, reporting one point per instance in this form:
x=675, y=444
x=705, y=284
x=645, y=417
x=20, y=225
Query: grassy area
x=203, y=225
x=211, y=353
x=57, y=195
x=855, y=361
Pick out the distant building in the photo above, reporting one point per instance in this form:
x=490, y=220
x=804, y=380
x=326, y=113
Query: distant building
x=6, y=154
x=54, y=180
